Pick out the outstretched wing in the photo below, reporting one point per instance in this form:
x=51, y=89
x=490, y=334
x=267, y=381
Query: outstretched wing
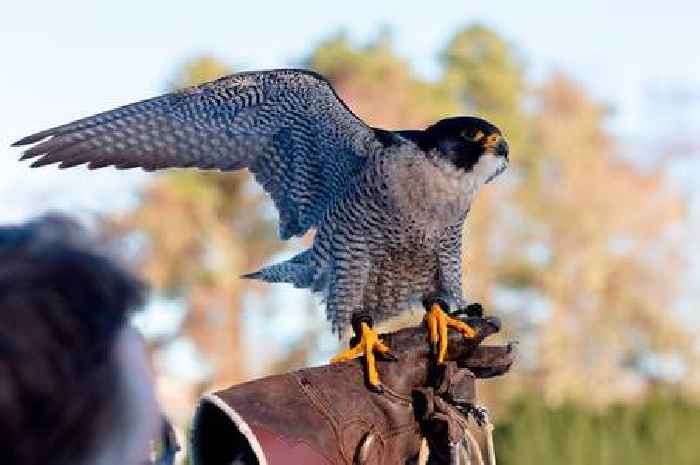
x=287, y=126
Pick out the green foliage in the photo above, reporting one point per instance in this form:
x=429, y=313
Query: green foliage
x=663, y=430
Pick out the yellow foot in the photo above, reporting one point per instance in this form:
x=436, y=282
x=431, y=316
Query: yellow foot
x=438, y=322
x=369, y=343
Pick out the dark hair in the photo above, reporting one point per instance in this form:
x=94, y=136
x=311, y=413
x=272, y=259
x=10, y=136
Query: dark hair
x=62, y=306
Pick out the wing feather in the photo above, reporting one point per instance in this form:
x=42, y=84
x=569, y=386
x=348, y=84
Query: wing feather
x=287, y=126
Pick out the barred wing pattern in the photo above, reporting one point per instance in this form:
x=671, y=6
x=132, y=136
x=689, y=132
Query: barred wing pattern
x=287, y=126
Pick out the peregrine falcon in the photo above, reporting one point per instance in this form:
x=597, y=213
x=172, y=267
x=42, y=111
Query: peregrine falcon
x=387, y=206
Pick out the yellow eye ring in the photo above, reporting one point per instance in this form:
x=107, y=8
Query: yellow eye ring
x=472, y=135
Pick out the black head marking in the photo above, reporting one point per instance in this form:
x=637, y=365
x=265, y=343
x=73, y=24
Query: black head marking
x=463, y=140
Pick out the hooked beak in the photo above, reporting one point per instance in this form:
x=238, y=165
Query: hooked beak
x=502, y=149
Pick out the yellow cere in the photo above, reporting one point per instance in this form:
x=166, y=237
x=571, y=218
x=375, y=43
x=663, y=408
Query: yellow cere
x=493, y=139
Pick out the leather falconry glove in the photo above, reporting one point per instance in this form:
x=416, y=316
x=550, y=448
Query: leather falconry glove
x=327, y=415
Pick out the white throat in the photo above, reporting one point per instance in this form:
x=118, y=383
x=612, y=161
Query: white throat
x=436, y=191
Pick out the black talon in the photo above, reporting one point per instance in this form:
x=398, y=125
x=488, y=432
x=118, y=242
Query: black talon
x=475, y=310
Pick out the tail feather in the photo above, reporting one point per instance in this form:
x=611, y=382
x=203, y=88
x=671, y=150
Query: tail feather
x=298, y=271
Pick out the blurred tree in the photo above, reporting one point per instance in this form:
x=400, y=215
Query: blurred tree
x=203, y=230
x=380, y=86
x=609, y=270
x=484, y=74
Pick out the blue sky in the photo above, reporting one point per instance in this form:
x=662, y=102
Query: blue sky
x=65, y=59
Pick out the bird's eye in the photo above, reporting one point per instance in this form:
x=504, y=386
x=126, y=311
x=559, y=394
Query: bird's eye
x=473, y=135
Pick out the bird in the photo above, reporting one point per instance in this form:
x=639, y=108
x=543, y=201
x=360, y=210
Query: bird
x=387, y=206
